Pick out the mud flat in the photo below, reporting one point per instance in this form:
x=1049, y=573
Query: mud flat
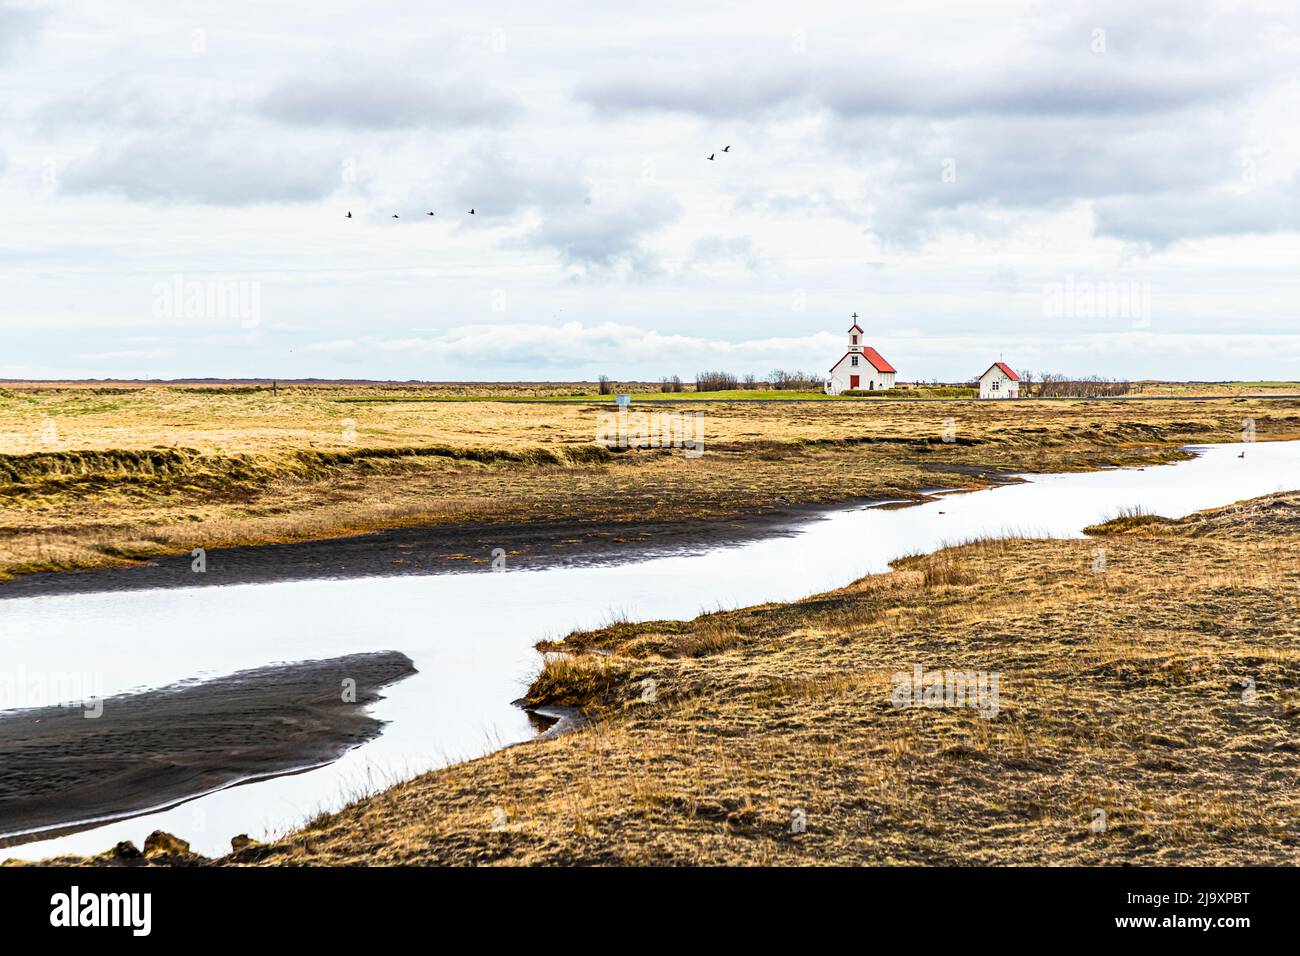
x=61, y=769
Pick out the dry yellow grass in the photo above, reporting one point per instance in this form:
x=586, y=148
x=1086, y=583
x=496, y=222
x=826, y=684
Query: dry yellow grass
x=1161, y=693
x=103, y=475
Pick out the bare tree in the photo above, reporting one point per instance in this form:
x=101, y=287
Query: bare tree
x=1056, y=385
x=795, y=381
x=715, y=382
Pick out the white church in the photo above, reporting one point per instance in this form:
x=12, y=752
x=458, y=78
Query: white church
x=862, y=367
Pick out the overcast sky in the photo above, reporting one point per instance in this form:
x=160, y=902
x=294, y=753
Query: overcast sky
x=1087, y=188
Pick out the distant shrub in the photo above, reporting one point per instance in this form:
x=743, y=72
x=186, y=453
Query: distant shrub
x=606, y=386
x=1053, y=385
x=715, y=382
x=673, y=384
x=793, y=381
x=919, y=391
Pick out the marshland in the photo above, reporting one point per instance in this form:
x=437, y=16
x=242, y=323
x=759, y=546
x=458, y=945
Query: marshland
x=709, y=736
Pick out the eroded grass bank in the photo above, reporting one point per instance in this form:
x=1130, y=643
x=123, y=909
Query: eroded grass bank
x=108, y=476
x=1147, y=713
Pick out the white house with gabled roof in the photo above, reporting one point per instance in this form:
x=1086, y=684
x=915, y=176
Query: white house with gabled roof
x=1000, y=381
x=861, y=367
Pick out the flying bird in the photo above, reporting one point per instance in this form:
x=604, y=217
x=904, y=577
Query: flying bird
x=726, y=149
x=349, y=215
x=396, y=216
x=428, y=214
x=710, y=155
x=471, y=212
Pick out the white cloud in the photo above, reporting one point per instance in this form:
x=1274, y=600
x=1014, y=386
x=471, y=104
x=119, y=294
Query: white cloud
x=17, y=26
x=186, y=165
x=608, y=234
x=369, y=99
x=574, y=344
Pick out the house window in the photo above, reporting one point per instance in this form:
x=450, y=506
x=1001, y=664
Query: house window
x=854, y=360
x=996, y=383
x=855, y=340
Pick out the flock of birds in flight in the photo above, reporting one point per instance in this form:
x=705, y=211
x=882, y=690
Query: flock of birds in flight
x=725, y=149
x=396, y=216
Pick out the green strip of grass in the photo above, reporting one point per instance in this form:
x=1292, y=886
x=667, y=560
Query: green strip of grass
x=1267, y=384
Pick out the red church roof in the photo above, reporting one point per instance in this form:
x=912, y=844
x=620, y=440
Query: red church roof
x=871, y=355
x=877, y=360
x=855, y=326
x=1007, y=368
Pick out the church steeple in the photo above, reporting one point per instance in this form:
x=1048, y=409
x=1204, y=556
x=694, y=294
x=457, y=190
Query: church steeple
x=855, y=335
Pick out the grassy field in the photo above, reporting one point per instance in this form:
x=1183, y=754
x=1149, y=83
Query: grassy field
x=97, y=475
x=1146, y=714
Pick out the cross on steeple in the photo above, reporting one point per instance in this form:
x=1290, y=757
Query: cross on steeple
x=855, y=316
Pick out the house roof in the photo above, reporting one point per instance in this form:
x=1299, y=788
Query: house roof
x=871, y=355
x=1005, y=368
x=855, y=326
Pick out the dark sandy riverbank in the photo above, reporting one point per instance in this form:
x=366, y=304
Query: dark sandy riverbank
x=438, y=549
x=159, y=747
